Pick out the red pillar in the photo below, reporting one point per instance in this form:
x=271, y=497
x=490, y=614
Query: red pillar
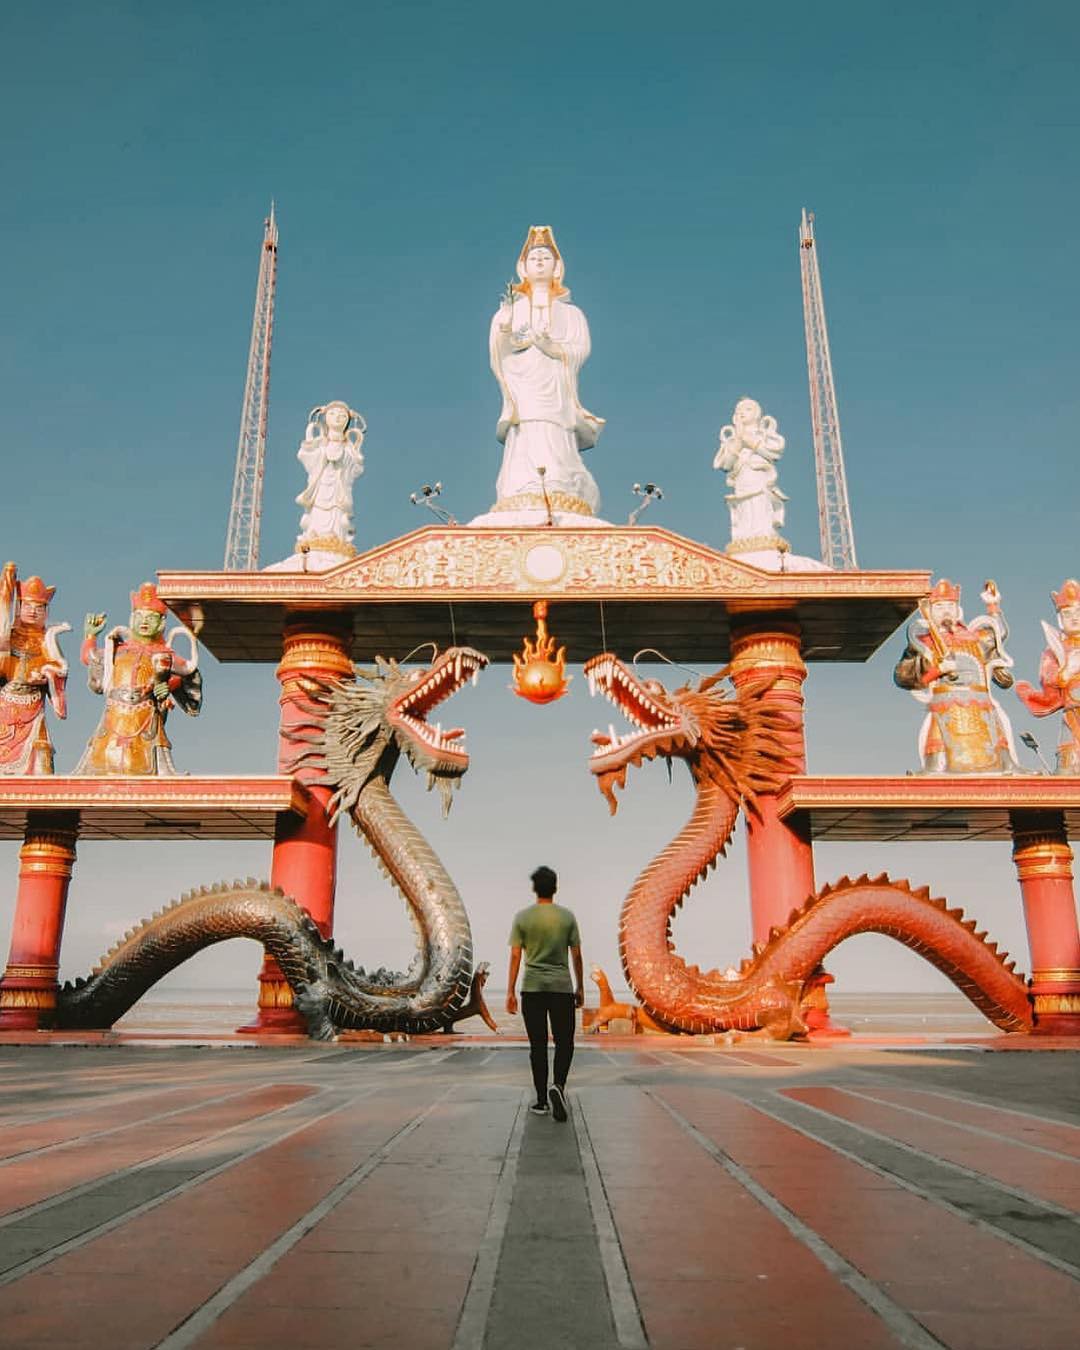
x=28, y=989
x=305, y=850
x=1044, y=866
x=780, y=855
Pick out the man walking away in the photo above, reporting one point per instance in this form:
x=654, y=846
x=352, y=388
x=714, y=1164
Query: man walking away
x=548, y=935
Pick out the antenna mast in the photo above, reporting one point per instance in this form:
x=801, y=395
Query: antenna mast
x=834, y=511
x=245, y=514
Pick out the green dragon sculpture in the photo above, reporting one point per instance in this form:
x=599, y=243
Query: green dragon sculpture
x=352, y=736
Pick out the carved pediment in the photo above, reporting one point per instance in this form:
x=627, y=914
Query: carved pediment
x=492, y=562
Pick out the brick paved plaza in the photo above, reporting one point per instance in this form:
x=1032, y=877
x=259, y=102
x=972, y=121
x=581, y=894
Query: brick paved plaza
x=401, y=1195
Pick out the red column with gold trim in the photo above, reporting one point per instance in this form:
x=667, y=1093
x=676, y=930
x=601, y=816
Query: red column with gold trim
x=780, y=855
x=28, y=989
x=1044, y=867
x=305, y=850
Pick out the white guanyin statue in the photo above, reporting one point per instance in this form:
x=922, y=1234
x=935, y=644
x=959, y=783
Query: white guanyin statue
x=538, y=344
x=750, y=445
x=331, y=455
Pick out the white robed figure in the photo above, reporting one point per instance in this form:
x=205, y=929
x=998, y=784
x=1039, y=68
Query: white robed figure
x=538, y=344
x=333, y=460
x=749, y=448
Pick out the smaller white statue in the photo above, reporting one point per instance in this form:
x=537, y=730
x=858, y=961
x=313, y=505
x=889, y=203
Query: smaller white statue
x=749, y=448
x=331, y=454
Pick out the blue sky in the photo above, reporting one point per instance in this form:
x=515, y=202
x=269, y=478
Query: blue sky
x=408, y=147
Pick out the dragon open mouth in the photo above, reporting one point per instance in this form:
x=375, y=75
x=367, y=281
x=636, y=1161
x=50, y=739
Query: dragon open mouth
x=641, y=703
x=447, y=674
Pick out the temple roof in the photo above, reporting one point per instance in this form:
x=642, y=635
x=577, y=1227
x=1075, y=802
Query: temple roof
x=620, y=587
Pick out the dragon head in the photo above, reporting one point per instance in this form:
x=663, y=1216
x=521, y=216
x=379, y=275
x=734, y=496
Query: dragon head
x=736, y=740
x=358, y=730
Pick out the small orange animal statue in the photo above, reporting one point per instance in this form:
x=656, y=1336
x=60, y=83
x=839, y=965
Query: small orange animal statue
x=475, y=1006
x=609, y=1009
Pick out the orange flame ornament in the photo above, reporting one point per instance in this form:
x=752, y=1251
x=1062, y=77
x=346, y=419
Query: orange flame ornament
x=540, y=671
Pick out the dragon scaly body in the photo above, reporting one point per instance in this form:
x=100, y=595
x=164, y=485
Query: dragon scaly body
x=737, y=746
x=352, y=738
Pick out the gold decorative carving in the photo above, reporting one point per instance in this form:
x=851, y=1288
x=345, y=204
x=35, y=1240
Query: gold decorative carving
x=325, y=543
x=758, y=543
x=43, y=999
x=17, y=972
x=314, y=651
x=1057, y=975
x=765, y=650
x=275, y=994
x=534, y=501
x=599, y=561
x=51, y=852
x=1046, y=1005
x=1042, y=859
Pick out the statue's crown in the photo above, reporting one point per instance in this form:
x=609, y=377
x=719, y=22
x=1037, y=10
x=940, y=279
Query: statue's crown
x=540, y=236
x=35, y=590
x=1068, y=595
x=945, y=590
x=146, y=597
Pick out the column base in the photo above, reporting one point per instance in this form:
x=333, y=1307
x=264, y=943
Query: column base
x=1056, y=1003
x=27, y=999
x=815, y=1009
x=276, y=1014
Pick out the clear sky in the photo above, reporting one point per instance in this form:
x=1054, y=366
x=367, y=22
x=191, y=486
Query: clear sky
x=408, y=147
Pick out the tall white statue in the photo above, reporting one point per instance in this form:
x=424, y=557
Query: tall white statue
x=750, y=446
x=333, y=460
x=331, y=454
x=538, y=344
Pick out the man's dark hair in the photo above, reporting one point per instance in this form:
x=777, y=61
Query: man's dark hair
x=544, y=882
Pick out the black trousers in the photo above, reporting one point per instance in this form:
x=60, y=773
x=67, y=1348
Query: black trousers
x=538, y=1010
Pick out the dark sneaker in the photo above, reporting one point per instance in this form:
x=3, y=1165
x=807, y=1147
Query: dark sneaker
x=558, y=1102
x=542, y=1109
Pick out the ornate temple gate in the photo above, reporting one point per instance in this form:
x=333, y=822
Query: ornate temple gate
x=619, y=588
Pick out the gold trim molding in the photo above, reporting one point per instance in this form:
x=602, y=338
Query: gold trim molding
x=42, y=999
x=534, y=501
x=1049, y=1005
x=274, y=993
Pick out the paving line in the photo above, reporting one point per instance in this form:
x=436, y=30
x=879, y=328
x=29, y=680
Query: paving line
x=966, y=1099
x=96, y=1183
x=1017, y=1192
x=200, y=1321
x=102, y=1099
x=1066, y=1267
x=127, y=1125
x=424, y=1059
x=478, y=1296
x=118, y=1220
x=629, y=1329
x=908, y=1330
x=960, y=1125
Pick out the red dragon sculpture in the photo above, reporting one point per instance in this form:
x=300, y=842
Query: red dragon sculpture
x=737, y=746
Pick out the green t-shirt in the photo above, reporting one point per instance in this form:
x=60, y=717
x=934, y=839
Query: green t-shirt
x=545, y=933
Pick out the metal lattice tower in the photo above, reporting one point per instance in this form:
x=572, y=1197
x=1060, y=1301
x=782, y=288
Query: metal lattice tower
x=245, y=514
x=834, y=511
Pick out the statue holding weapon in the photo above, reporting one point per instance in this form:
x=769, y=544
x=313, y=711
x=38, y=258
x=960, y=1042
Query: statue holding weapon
x=1059, y=676
x=952, y=666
